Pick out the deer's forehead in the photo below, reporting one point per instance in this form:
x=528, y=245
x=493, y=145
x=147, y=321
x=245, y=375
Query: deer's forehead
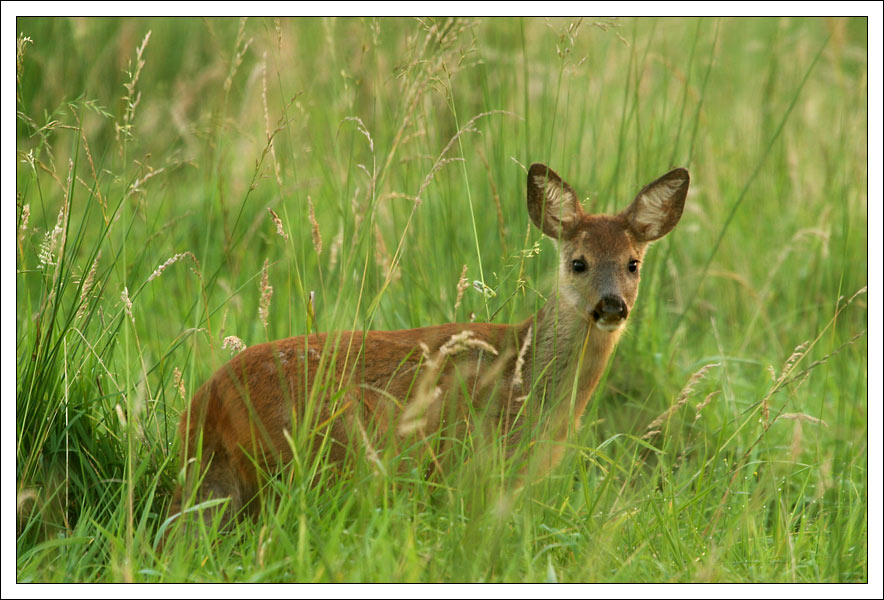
x=598, y=235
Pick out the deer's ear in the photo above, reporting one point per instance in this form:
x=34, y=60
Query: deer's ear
x=658, y=207
x=552, y=203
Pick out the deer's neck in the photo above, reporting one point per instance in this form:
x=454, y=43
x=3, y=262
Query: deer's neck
x=569, y=357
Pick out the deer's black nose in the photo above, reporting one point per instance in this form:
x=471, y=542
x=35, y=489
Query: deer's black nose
x=610, y=309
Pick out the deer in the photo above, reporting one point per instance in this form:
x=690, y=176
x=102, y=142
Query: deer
x=386, y=389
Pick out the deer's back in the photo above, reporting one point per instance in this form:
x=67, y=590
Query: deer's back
x=327, y=379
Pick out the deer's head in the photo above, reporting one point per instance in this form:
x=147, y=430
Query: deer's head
x=601, y=255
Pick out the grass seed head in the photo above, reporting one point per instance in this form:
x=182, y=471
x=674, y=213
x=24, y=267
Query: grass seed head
x=462, y=284
x=127, y=304
x=314, y=227
x=234, y=344
x=280, y=231
x=682, y=398
x=266, y=294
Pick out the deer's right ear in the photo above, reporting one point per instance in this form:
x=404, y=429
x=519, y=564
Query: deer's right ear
x=552, y=203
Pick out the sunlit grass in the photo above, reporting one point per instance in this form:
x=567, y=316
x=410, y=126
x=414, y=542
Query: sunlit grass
x=369, y=172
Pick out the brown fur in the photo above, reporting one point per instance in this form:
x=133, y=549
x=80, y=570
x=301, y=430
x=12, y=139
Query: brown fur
x=376, y=390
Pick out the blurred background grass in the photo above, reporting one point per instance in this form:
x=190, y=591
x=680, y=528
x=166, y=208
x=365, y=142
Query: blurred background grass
x=402, y=144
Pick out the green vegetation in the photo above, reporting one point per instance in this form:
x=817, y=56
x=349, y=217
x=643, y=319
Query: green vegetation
x=154, y=155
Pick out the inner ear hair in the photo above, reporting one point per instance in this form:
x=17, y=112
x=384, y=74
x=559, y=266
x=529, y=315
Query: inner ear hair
x=552, y=203
x=657, y=208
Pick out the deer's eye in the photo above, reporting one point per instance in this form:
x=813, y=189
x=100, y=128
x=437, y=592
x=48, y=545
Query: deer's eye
x=578, y=265
x=632, y=266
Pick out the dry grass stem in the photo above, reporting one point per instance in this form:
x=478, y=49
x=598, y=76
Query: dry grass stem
x=462, y=341
x=801, y=376
x=462, y=284
x=360, y=126
x=395, y=195
x=178, y=380
x=414, y=417
x=653, y=426
x=520, y=361
x=278, y=27
x=96, y=188
x=87, y=286
x=138, y=185
x=427, y=63
x=801, y=417
x=131, y=98
x=705, y=402
x=240, y=48
x=267, y=118
x=370, y=452
x=797, y=354
x=54, y=239
x=23, y=221
x=314, y=227
x=266, y=293
x=127, y=304
x=159, y=270
x=20, y=46
x=234, y=344
x=441, y=161
x=278, y=223
x=428, y=392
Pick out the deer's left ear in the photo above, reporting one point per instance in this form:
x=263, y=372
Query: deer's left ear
x=658, y=207
x=552, y=203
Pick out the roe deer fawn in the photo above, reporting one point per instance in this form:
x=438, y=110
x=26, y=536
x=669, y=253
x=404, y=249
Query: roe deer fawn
x=387, y=386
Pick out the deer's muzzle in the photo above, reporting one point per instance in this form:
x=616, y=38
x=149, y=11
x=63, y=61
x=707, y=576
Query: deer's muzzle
x=610, y=313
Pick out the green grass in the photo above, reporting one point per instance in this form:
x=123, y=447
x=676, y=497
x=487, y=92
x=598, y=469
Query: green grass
x=410, y=138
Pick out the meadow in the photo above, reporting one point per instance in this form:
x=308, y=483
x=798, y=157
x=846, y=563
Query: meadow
x=188, y=186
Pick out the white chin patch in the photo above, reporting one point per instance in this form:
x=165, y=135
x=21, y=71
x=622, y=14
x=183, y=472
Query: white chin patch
x=610, y=326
